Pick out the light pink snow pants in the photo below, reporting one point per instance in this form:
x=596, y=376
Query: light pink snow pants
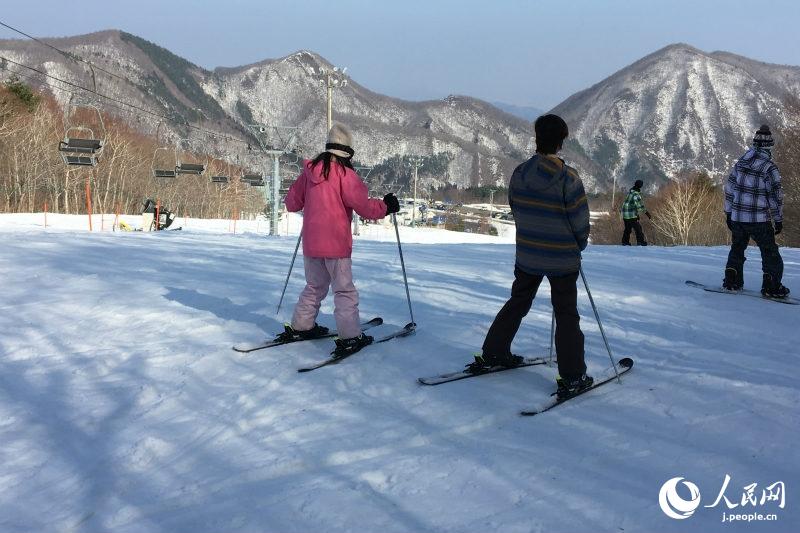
x=320, y=273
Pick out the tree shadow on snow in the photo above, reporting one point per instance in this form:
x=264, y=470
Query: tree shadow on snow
x=223, y=308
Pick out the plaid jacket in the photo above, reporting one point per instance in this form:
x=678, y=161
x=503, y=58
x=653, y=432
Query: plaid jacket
x=550, y=210
x=633, y=205
x=753, y=190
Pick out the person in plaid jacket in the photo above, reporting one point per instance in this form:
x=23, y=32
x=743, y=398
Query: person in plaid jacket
x=753, y=203
x=632, y=207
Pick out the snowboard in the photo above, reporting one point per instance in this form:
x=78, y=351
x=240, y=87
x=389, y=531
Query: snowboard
x=744, y=292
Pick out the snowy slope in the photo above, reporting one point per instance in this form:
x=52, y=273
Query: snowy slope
x=122, y=407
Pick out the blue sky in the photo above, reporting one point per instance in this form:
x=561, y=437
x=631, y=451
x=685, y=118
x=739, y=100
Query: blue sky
x=532, y=53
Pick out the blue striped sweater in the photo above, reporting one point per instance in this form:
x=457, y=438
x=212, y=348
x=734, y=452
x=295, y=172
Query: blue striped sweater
x=552, y=216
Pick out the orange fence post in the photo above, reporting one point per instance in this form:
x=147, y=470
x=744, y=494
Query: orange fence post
x=89, y=202
x=158, y=212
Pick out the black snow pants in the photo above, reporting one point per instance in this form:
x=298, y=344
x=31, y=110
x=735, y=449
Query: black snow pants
x=764, y=235
x=636, y=226
x=569, y=337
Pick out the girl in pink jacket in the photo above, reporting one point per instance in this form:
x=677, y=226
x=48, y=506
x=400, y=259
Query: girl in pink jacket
x=328, y=190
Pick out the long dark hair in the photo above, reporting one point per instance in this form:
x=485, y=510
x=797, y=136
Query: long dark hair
x=325, y=158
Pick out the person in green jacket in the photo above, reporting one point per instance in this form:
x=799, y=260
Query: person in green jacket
x=632, y=207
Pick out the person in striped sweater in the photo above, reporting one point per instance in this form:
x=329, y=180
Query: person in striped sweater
x=551, y=213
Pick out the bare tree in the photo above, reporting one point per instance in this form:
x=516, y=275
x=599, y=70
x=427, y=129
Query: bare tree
x=787, y=157
x=687, y=210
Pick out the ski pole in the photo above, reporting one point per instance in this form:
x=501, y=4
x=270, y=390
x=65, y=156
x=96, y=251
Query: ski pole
x=403, y=265
x=552, y=333
x=291, y=266
x=597, y=316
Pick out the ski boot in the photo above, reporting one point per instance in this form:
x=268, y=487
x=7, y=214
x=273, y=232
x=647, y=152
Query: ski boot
x=732, y=281
x=291, y=335
x=567, y=388
x=484, y=362
x=345, y=347
x=771, y=289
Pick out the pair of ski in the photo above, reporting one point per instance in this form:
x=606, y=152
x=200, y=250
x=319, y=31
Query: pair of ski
x=406, y=330
x=609, y=375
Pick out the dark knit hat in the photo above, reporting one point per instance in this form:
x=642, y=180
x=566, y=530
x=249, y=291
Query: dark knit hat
x=340, y=142
x=763, y=137
x=638, y=184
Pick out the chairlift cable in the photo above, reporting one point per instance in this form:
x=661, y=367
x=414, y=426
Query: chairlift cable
x=133, y=106
x=70, y=55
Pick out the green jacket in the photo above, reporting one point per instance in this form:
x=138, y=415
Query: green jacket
x=633, y=205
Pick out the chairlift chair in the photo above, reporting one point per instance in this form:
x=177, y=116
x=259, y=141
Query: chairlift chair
x=224, y=176
x=80, y=146
x=195, y=169
x=162, y=171
x=254, y=180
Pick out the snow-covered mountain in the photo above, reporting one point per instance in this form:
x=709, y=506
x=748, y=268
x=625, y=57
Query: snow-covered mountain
x=678, y=109
x=485, y=143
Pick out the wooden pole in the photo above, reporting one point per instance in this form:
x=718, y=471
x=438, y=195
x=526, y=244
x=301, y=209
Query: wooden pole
x=89, y=202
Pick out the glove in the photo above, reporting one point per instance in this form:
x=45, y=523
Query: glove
x=648, y=215
x=728, y=221
x=392, y=203
x=778, y=227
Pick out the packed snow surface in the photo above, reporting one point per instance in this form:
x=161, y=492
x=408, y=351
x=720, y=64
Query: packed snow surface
x=123, y=407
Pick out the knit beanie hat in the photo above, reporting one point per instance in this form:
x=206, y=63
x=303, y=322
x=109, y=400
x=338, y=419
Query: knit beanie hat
x=763, y=138
x=340, y=142
x=638, y=184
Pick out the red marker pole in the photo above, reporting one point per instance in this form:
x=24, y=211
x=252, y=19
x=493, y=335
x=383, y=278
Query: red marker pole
x=89, y=202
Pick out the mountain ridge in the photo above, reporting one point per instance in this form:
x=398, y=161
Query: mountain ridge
x=675, y=110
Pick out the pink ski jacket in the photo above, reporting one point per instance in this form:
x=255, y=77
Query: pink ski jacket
x=328, y=206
